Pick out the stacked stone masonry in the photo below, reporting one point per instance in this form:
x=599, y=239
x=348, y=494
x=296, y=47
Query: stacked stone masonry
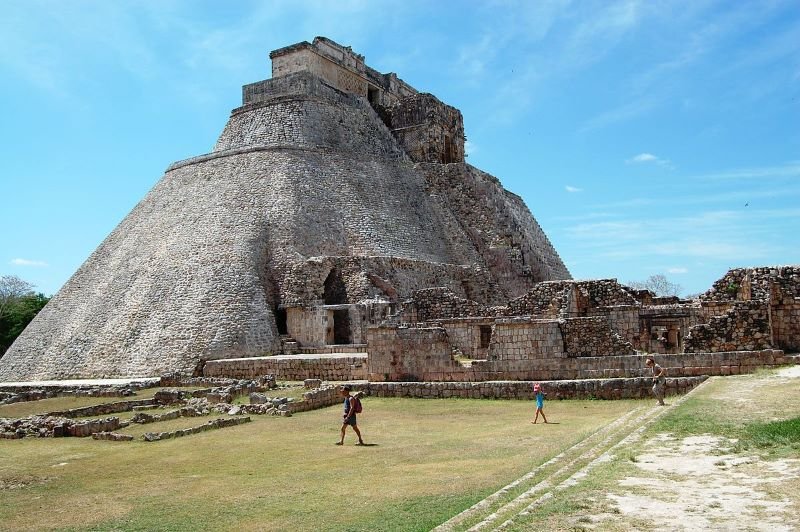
x=291, y=367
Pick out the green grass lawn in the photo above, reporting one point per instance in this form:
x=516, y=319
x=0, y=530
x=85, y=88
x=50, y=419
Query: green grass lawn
x=428, y=460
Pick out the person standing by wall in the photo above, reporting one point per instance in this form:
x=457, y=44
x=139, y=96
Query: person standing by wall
x=349, y=417
x=659, y=380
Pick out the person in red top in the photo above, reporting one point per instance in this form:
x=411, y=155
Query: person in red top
x=349, y=417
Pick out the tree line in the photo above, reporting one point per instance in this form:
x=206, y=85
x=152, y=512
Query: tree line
x=19, y=304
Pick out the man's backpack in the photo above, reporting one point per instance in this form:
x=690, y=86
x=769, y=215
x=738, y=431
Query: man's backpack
x=357, y=408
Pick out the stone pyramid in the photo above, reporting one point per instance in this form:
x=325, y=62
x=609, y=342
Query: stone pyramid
x=333, y=188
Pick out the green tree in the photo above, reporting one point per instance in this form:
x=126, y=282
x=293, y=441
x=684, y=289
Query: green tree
x=19, y=304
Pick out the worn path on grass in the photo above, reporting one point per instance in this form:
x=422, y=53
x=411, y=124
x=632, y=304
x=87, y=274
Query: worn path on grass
x=699, y=483
x=692, y=483
x=501, y=509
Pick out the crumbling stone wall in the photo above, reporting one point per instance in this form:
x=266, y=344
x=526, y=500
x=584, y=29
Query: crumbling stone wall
x=548, y=299
x=428, y=130
x=399, y=353
x=592, y=337
x=755, y=283
x=745, y=327
x=597, y=298
x=439, y=304
x=383, y=278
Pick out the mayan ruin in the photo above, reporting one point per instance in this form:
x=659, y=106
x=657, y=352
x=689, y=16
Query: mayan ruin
x=335, y=231
x=405, y=297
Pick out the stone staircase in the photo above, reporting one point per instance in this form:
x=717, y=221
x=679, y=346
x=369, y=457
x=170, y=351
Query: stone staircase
x=511, y=505
x=289, y=346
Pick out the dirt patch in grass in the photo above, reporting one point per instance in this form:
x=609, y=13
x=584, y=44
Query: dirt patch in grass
x=696, y=481
x=23, y=481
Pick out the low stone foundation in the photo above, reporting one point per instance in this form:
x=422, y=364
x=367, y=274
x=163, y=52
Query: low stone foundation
x=18, y=394
x=47, y=426
x=111, y=436
x=211, y=425
x=677, y=365
x=330, y=367
x=103, y=409
x=633, y=388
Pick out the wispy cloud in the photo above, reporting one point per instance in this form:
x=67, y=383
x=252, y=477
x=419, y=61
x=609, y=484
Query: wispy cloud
x=788, y=170
x=742, y=235
x=626, y=111
x=570, y=188
x=678, y=270
x=28, y=262
x=648, y=158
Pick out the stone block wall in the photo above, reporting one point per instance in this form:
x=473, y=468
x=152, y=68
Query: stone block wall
x=291, y=367
x=622, y=388
x=399, y=353
x=336, y=64
x=625, y=320
x=440, y=303
x=785, y=321
x=308, y=325
x=470, y=336
x=745, y=327
x=524, y=339
x=592, y=337
x=300, y=121
x=317, y=398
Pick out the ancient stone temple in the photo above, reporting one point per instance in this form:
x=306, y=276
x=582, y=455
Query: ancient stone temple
x=332, y=194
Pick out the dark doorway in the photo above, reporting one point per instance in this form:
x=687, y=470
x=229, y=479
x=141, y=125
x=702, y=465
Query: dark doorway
x=280, y=321
x=486, y=336
x=372, y=95
x=341, y=327
x=335, y=290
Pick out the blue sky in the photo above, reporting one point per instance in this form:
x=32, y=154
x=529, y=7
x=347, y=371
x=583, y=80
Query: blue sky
x=646, y=137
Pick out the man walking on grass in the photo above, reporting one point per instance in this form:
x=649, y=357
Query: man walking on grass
x=349, y=417
x=659, y=380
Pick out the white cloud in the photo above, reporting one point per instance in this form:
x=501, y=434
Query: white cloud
x=648, y=158
x=470, y=148
x=27, y=262
x=570, y=188
x=643, y=158
x=678, y=270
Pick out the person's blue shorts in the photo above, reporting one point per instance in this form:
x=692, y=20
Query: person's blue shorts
x=351, y=421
